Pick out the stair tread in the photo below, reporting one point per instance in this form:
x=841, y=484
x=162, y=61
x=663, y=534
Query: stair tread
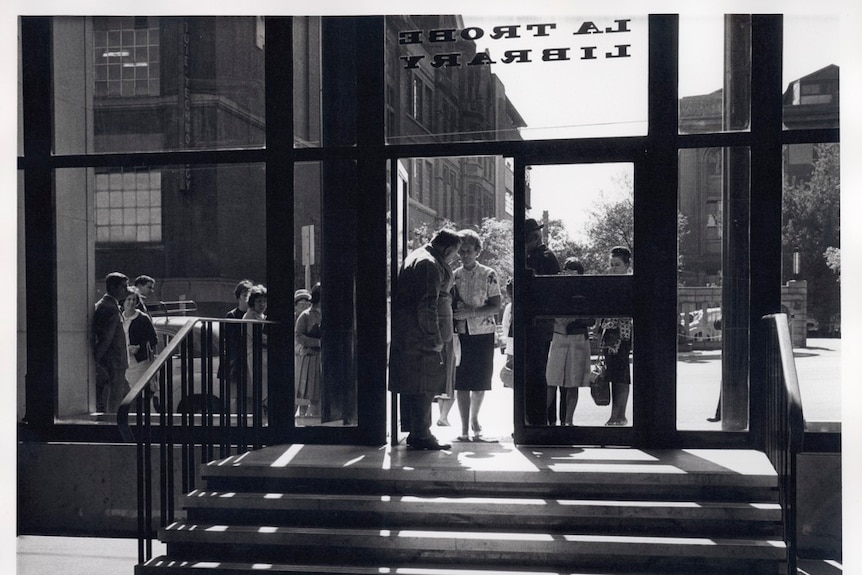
x=460, y=540
x=509, y=465
x=203, y=499
x=163, y=563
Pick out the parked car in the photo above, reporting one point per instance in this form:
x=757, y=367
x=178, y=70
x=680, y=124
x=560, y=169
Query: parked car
x=703, y=329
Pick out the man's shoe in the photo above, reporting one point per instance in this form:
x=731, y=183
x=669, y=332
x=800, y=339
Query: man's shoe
x=430, y=444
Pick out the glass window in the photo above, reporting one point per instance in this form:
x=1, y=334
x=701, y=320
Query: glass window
x=584, y=210
x=468, y=78
x=811, y=71
x=811, y=266
x=211, y=227
x=126, y=53
x=712, y=214
x=128, y=205
x=306, y=82
x=705, y=72
x=699, y=295
x=143, y=83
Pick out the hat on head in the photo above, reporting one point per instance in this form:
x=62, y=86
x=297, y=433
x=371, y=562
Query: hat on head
x=532, y=225
x=301, y=294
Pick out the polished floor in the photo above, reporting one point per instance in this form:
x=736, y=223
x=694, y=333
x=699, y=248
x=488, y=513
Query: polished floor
x=98, y=556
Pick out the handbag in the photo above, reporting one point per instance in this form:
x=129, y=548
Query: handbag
x=507, y=375
x=600, y=387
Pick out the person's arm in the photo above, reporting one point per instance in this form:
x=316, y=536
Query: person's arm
x=105, y=329
x=426, y=308
x=300, y=332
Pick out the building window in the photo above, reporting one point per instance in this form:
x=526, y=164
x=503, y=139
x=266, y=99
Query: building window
x=421, y=102
x=128, y=205
x=127, y=56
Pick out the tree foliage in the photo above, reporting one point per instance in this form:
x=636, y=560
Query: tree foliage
x=811, y=227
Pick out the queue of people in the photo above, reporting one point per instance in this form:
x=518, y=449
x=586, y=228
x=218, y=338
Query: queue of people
x=124, y=339
x=444, y=336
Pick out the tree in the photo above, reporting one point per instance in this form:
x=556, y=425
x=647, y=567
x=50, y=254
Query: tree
x=812, y=226
x=498, y=247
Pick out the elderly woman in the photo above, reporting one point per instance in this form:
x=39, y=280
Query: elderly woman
x=478, y=299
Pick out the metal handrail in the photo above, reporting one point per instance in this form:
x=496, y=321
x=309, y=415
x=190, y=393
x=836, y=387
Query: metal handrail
x=784, y=424
x=192, y=428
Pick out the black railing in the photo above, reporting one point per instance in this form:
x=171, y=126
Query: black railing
x=784, y=425
x=210, y=376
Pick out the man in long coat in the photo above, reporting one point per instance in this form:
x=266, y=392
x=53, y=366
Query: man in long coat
x=109, y=344
x=421, y=353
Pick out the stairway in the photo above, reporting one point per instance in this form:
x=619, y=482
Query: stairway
x=492, y=509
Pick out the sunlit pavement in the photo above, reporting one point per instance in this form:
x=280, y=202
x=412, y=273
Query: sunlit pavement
x=698, y=375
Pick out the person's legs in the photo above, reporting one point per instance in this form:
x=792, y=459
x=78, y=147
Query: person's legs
x=419, y=406
x=445, y=406
x=476, y=399
x=552, y=404
x=619, y=402
x=463, y=398
x=571, y=403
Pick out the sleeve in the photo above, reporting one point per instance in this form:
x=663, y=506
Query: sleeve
x=426, y=309
x=104, y=331
x=493, y=285
x=506, y=322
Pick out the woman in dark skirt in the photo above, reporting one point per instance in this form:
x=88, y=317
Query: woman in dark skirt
x=478, y=302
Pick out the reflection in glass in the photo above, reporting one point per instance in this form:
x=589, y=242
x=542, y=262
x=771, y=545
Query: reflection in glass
x=470, y=78
x=811, y=273
x=584, y=210
x=146, y=83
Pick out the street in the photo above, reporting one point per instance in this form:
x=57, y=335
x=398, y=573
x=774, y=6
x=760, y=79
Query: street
x=818, y=369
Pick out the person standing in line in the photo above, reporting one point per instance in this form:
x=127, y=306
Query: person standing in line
x=616, y=345
x=507, y=323
x=421, y=352
x=301, y=302
x=145, y=286
x=109, y=344
x=234, y=344
x=479, y=300
x=543, y=262
x=307, y=335
x=257, y=303
x=142, y=342
x=568, y=365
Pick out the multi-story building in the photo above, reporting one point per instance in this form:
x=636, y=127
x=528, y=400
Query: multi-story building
x=173, y=83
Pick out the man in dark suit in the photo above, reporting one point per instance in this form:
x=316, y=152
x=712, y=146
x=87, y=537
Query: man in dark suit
x=542, y=261
x=109, y=344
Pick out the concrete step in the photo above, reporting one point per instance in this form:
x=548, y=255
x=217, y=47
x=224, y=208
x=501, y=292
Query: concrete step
x=556, y=473
x=370, y=547
x=714, y=518
x=168, y=566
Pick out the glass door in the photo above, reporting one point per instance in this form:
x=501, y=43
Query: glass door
x=574, y=289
